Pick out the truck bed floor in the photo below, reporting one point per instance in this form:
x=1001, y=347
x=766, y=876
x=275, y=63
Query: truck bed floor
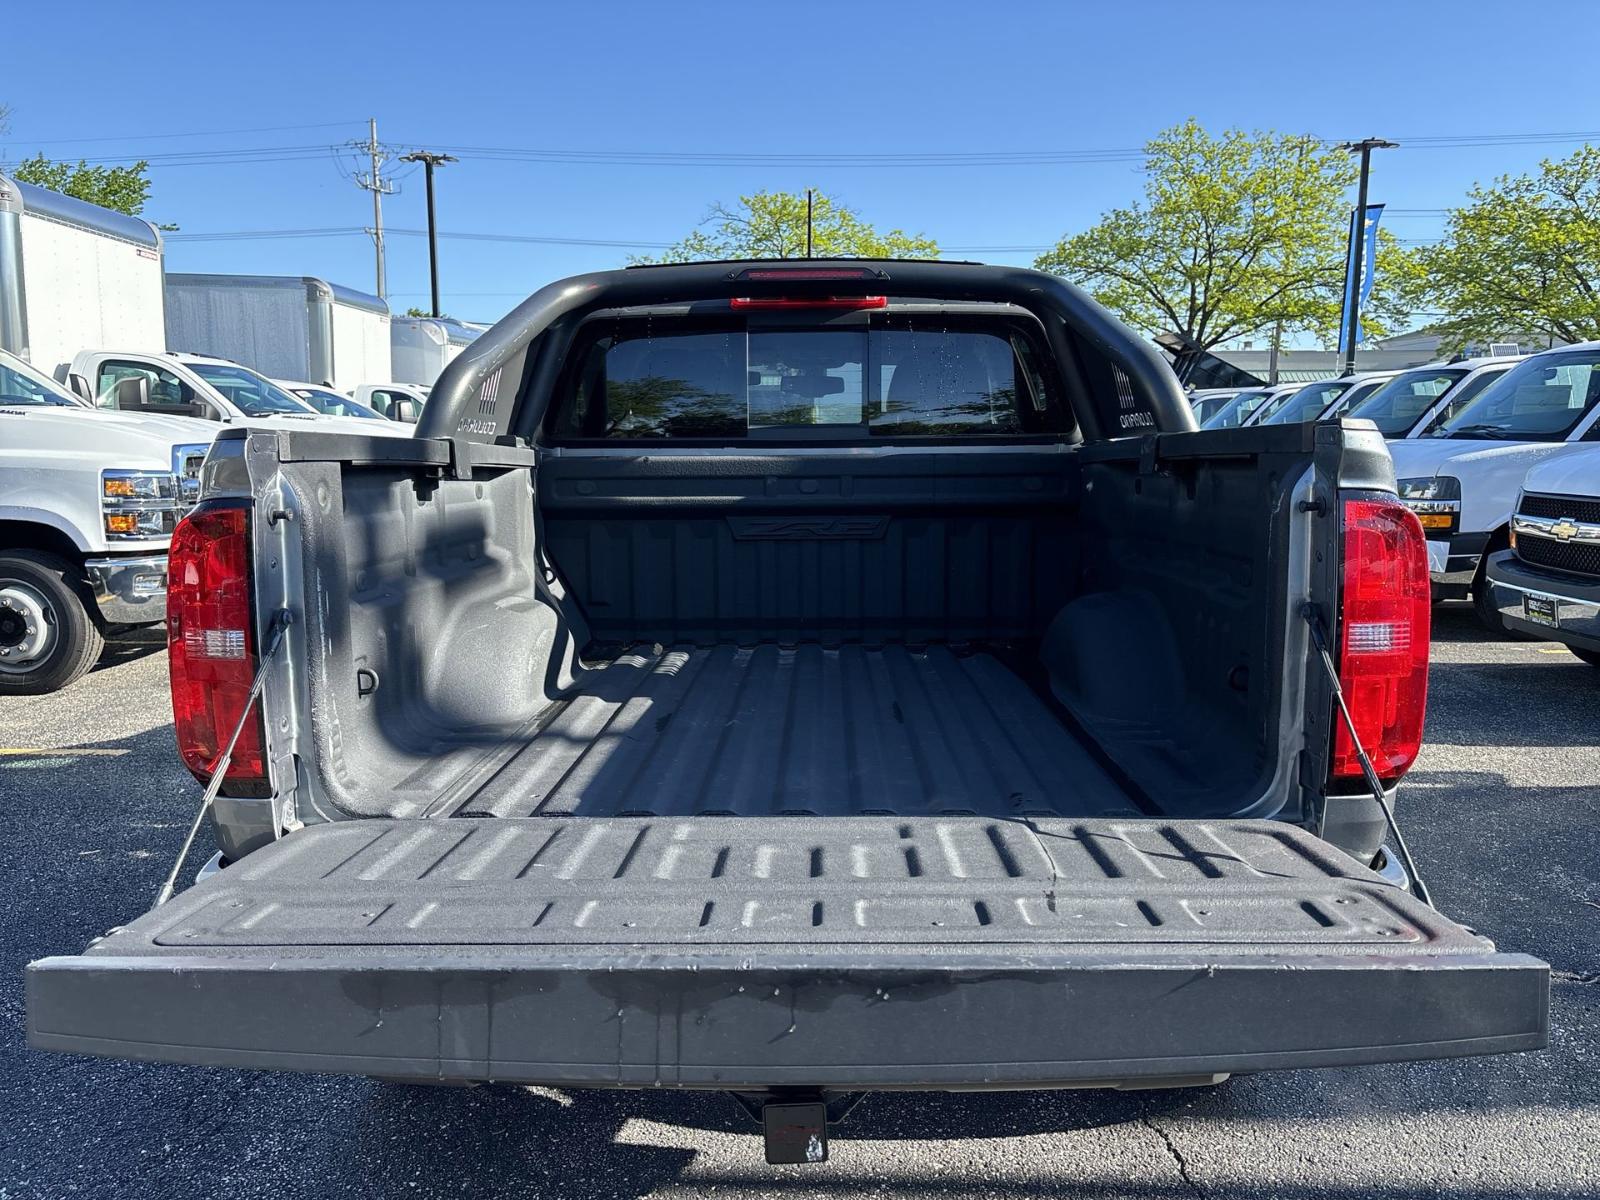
x=803, y=731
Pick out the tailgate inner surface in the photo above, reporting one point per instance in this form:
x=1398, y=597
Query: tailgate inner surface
x=943, y=885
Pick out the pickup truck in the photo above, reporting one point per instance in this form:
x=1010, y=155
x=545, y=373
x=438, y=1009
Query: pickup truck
x=401, y=402
x=1547, y=583
x=197, y=385
x=88, y=503
x=1462, y=477
x=798, y=679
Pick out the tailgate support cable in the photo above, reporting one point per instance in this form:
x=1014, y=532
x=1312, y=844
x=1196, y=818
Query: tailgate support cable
x=1319, y=638
x=280, y=622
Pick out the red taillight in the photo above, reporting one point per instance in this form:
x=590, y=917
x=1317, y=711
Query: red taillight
x=809, y=302
x=211, y=645
x=1383, y=644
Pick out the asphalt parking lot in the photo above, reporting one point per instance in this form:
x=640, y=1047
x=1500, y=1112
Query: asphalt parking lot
x=1502, y=811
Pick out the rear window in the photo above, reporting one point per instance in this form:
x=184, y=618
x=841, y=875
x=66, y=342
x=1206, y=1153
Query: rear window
x=896, y=378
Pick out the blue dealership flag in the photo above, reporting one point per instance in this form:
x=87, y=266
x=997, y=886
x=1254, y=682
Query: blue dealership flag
x=1369, y=270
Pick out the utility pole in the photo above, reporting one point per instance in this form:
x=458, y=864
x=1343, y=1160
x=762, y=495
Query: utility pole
x=375, y=183
x=1358, y=244
x=808, y=222
x=429, y=160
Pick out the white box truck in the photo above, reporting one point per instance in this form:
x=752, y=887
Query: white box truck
x=283, y=326
x=421, y=347
x=73, y=274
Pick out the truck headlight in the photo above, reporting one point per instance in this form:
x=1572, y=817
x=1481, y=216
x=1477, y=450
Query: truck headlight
x=1436, y=499
x=138, y=505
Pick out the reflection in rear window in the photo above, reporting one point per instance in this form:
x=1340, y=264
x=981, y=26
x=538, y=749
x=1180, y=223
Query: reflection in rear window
x=840, y=382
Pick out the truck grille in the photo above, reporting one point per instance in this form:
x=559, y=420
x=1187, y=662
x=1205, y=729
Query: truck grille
x=1578, y=508
x=1580, y=558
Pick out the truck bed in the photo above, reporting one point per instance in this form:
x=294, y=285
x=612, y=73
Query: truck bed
x=799, y=731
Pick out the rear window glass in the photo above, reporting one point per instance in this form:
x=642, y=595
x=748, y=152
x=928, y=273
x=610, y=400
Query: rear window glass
x=904, y=380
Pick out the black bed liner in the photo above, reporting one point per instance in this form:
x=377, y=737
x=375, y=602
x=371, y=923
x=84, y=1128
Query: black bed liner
x=804, y=730
x=822, y=952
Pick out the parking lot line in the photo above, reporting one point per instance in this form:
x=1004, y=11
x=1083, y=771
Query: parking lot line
x=94, y=751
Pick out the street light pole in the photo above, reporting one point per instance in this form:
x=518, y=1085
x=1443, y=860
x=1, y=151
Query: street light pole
x=1358, y=244
x=429, y=160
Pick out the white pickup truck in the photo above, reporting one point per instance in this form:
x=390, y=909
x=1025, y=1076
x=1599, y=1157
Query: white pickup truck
x=88, y=502
x=196, y=385
x=400, y=402
x=1462, y=479
x=1547, y=584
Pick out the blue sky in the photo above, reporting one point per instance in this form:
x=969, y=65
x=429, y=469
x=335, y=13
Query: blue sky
x=683, y=82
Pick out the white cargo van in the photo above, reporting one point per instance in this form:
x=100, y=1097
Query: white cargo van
x=1462, y=478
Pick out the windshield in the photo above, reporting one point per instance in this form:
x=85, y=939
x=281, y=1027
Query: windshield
x=248, y=392
x=1206, y=407
x=1399, y=404
x=332, y=404
x=1463, y=394
x=19, y=387
x=1275, y=405
x=1541, y=399
x=1237, y=411
x=1307, y=404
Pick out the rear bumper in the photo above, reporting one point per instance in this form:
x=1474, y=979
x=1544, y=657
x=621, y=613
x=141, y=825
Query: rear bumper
x=1576, y=603
x=129, y=591
x=638, y=1020
x=850, y=953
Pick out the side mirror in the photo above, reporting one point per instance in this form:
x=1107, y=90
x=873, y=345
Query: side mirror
x=132, y=394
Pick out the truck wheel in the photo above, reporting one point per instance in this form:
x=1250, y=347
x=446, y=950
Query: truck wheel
x=49, y=630
x=1592, y=657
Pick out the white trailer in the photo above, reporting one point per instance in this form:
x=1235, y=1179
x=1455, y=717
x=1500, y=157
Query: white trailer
x=421, y=347
x=283, y=326
x=73, y=274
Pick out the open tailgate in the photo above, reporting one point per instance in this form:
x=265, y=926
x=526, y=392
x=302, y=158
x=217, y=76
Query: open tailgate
x=746, y=953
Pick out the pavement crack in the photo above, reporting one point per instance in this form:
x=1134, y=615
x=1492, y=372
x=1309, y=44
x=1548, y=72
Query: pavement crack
x=1177, y=1155
x=1573, y=977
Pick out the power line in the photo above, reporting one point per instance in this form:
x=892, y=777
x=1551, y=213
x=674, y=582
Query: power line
x=1036, y=156
x=151, y=137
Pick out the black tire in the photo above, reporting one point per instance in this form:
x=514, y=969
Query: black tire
x=1592, y=657
x=69, y=608
x=1483, y=606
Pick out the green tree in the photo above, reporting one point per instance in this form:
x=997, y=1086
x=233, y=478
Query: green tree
x=773, y=225
x=1235, y=234
x=1522, y=257
x=125, y=189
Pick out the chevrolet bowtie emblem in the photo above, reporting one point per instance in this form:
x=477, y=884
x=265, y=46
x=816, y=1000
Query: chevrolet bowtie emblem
x=1564, y=530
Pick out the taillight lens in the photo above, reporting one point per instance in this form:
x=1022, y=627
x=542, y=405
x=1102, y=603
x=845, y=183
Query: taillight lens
x=1383, y=645
x=211, y=645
